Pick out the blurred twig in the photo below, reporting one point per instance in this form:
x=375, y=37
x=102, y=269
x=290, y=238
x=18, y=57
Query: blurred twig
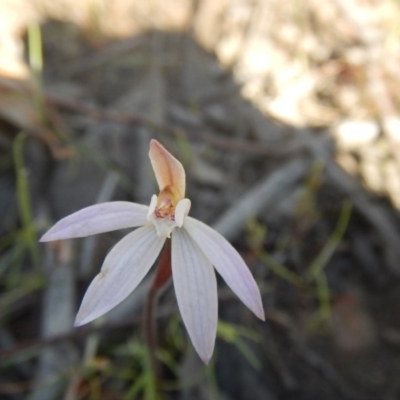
x=261, y=197
x=57, y=317
x=33, y=346
x=232, y=144
x=19, y=106
x=108, y=55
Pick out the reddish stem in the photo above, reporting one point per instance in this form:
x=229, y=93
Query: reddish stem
x=161, y=278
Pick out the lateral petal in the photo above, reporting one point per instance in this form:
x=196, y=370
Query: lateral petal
x=168, y=170
x=181, y=211
x=196, y=291
x=98, y=218
x=124, y=268
x=228, y=263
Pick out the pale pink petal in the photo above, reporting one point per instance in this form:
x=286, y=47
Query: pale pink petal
x=124, y=268
x=99, y=218
x=168, y=170
x=228, y=263
x=196, y=290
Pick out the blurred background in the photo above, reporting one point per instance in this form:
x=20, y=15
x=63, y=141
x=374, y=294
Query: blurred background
x=286, y=117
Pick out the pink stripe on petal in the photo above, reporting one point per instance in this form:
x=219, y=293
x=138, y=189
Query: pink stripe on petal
x=228, y=263
x=196, y=291
x=168, y=170
x=98, y=218
x=124, y=268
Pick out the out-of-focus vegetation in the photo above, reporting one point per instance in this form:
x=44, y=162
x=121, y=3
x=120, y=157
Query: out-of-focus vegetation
x=286, y=116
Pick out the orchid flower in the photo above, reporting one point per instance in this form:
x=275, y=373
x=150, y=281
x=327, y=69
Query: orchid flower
x=195, y=250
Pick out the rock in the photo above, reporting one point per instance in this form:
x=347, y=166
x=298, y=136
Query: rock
x=352, y=134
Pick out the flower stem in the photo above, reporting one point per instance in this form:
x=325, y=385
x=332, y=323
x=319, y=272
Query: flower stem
x=161, y=278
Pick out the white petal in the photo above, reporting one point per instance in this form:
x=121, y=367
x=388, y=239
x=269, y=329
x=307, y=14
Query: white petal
x=98, y=218
x=196, y=290
x=181, y=211
x=152, y=207
x=123, y=269
x=228, y=263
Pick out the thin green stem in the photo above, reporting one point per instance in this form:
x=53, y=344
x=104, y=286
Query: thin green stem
x=316, y=269
x=31, y=284
x=35, y=52
x=324, y=298
x=35, y=59
x=24, y=200
x=319, y=263
x=278, y=269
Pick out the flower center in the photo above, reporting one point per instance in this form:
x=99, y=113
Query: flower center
x=166, y=203
x=168, y=211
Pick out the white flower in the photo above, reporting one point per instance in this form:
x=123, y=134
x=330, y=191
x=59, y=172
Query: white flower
x=196, y=248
